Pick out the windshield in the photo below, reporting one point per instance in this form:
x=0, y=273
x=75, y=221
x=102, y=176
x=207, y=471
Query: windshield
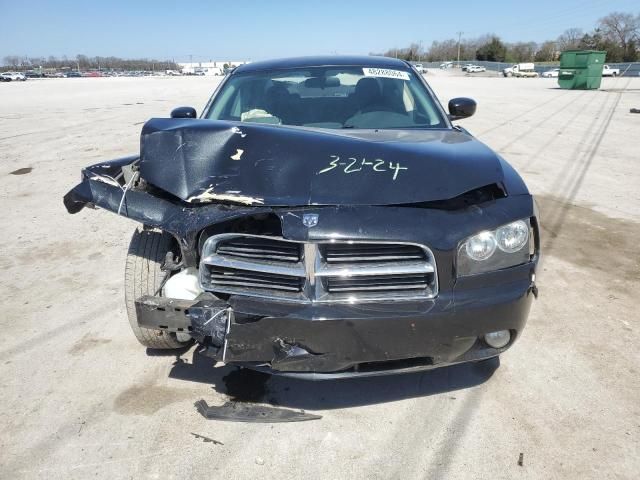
x=328, y=97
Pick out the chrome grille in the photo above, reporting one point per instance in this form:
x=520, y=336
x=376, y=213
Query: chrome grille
x=273, y=267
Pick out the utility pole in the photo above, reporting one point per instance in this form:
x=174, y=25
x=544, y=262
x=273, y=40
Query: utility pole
x=459, y=36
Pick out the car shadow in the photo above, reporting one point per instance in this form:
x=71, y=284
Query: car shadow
x=178, y=352
x=245, y=385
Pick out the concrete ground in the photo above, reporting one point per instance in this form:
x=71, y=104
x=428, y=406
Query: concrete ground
x=81, y=398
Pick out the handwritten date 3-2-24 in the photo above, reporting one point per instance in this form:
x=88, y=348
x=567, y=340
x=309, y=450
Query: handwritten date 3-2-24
x=353, y=165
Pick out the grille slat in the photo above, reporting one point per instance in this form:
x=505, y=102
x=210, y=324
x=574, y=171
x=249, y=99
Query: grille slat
x=371, y=268
x=379, y=288
x=235, y=277
x=258, y=254
x=318, y=272
x=247, y=284
x=261, y=248
x=379, y=280
x=269, y=268
x=228, y=276
x=341, y=253
x=378, y=283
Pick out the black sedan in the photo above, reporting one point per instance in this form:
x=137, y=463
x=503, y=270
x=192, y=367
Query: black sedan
x=322, y=218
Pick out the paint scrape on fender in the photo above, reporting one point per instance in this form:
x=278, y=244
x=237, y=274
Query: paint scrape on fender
x=210, y=196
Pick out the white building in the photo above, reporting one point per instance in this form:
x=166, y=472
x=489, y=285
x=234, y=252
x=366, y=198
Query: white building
x=206, y=68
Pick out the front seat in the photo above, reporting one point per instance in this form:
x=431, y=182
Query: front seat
x=278, y=102
x=367, y=95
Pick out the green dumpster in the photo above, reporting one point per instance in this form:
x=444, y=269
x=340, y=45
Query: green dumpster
x=581, y=69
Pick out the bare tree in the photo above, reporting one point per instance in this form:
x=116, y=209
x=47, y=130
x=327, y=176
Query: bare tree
x=547, y=52
x=522, y=51
x=471, y=45
x=414, y=52
x=570, y=39
x=411, y=53
x=441, y=51
x=12, y=60
x=82, y=61
x=621, y=28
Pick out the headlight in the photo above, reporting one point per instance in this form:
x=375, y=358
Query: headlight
x=481, y=246
x=513, y=237
x=490, y=250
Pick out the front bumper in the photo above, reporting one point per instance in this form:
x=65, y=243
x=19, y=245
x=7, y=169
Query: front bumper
x=335, y=340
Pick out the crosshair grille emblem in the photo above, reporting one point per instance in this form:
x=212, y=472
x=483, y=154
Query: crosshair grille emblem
x=310, y=219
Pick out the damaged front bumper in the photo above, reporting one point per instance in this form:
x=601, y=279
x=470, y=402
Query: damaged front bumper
x=319, y=341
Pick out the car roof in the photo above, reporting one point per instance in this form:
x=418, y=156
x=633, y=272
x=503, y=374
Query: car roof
x=322, y=61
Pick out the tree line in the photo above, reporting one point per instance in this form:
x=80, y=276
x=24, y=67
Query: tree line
x=618, y=34
x=83, y=62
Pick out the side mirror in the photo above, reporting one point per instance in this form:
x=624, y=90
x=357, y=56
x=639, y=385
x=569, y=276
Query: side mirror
x=184, y=112
x=461, y=107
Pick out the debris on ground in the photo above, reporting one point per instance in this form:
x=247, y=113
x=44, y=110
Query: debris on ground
x=241, y=412
x=21, y=171
x=521, y=459
x=207, y=439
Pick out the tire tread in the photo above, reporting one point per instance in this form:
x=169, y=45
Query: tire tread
x=143, y=276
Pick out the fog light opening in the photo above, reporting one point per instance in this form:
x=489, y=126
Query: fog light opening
x=498, y=339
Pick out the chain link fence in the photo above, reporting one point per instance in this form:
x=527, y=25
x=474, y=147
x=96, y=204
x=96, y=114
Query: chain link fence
x=626, y=69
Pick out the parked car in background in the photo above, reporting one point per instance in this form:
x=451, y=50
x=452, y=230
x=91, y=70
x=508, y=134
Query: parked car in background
x=73, y=75
x=322, y=217
x=34, y=74
x=13, y=77
x=476, y=69
x=466, y=66
x=419, y=67
x=554, y=72
x=607, y=71
x=446, y=65
x=520, y=70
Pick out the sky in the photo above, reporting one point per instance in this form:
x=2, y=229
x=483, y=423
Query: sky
x=256, y=30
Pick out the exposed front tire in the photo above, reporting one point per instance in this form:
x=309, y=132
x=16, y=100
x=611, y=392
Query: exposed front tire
x=143, y=276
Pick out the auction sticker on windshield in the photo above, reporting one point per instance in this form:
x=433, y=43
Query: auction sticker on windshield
x=385, y=73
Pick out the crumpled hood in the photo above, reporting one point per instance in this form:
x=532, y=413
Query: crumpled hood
x=205, y=160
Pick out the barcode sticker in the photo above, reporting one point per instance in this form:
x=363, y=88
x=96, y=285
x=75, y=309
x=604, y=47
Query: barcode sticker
x=386, y=73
